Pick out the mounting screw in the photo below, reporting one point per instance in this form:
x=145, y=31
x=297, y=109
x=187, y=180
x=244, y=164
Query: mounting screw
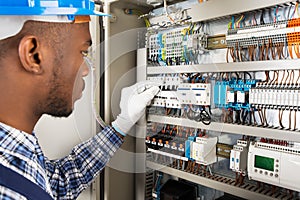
x=113, y=18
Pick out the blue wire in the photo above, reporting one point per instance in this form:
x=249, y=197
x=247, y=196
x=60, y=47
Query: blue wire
x=275, y=14
x=191, y=55
x=290, y=17
x=232, y=22
x=185, y=56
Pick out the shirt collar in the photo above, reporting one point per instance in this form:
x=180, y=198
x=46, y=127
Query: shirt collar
x=17, y=141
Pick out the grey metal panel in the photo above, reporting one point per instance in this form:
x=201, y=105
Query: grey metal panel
x=140, y=178
x=208, y=182
x=141, y=64
x=213, y=9
x=229, y=67
x=119, y=176
x=231, y=128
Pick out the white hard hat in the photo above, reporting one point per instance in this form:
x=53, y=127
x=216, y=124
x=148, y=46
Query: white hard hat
x=11, y=25
x=13, y=14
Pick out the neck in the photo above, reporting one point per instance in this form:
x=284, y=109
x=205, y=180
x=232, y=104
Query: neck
x=17, y=107
x=16, y=116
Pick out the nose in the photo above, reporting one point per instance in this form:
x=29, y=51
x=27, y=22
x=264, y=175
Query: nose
x=86, y=67
x=86, y=70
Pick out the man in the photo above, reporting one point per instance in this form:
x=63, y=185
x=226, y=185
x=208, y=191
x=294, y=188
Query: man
x=41, y=72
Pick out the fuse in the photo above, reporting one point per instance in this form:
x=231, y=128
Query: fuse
x=274, y=97
x=298, y=95
x=259, y=96
x=230, y=97
x=296, y=103
x=282, y=97
x=174, y=147
x=148, y=140
x=238, y=156
x=166, y=145
x=153, y=141
x=291, y=97
x=286, y=97
x=255, y=96
x=263, y=96
x=160, y=143
x=241, y=97
x=251, y=96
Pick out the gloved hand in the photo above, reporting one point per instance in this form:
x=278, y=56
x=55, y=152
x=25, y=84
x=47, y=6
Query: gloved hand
x=134, y=100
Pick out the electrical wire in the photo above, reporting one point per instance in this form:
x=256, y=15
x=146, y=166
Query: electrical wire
x=130, y=11
x=276, y=17
x=262, y=22
x=254, y=19
x=265, y=117
x=253, y=115
x=288, y=14
x=261, y=117
x=280, y=117
x=167, y=12
x=298, y=78
x=239, y=21
x=93, y=93
x=283, y=75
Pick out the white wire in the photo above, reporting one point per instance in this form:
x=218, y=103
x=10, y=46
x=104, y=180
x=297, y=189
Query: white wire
x=93, y=93
x=166, y=10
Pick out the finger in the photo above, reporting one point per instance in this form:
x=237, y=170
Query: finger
x=148, y=94
x=142, y=86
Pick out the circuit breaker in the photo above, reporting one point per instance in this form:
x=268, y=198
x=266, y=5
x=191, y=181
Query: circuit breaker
x=239, y=156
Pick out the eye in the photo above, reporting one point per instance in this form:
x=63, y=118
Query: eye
x=87, y=52
x=87, y=56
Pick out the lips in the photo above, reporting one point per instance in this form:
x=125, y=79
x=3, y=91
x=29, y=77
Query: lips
x=79, y=90
x=83, y=85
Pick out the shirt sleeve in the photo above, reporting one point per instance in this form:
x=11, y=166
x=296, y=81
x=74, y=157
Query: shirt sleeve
x=72, y=174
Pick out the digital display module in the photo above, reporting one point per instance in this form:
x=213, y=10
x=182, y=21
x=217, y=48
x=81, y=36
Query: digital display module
x=265, y=163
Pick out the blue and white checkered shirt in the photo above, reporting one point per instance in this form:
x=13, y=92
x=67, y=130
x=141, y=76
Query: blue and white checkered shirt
x=64, y=178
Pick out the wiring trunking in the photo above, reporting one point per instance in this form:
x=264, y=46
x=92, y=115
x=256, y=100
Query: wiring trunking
x=235, y=104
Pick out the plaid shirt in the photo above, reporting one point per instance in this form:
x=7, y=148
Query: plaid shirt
x=62, y=179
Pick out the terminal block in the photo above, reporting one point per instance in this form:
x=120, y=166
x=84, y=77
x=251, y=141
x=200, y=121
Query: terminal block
x=175, y=46
x=166, y=99
x=275, y=96
x=168, y=82
x=258, y=35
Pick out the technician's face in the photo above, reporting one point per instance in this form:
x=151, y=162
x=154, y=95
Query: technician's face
x=67, y=84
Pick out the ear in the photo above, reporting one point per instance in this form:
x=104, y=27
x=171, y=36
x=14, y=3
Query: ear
x=30, y=54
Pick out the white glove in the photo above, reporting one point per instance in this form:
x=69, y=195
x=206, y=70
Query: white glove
x=134, y=100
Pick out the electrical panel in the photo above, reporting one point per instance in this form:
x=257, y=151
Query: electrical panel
x=228, y=106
